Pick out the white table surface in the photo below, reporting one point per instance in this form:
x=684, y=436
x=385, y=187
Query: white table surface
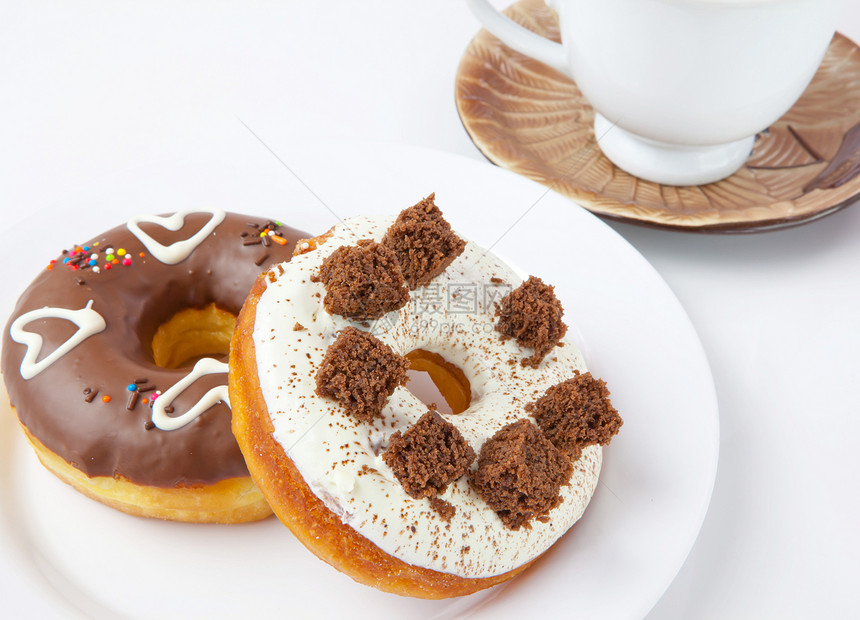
x=91, y=88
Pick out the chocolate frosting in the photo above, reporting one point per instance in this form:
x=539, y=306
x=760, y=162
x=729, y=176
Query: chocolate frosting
x=107, y=439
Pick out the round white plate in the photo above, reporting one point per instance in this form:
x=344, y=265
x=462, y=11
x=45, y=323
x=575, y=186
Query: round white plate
x=64, y=554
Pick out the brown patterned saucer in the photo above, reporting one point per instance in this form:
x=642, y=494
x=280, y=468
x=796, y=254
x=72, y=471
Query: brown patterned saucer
x=533, y=120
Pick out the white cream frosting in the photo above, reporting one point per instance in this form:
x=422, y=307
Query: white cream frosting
x=217, y=394
x=180, y=250
x=341, y=459
x=89, y=322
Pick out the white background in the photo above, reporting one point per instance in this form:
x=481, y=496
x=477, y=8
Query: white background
x=89, y=89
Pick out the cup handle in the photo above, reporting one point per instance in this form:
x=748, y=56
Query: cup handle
x=519, y=38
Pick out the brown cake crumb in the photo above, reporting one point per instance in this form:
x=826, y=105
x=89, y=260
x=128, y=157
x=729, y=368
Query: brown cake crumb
x=577, y=413
x=428, y=456
x=360, y=372
x=532, y=313
x=298, y=327
x=362, y=281
x=520, y=473
x=445, y=509
x=423, y=241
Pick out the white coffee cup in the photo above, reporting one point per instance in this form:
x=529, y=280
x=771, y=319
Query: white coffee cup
x=680, y=88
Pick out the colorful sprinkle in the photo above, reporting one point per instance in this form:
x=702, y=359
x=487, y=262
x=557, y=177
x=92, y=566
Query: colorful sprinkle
x=131, y=387
x=105, y=398
x=79, y=258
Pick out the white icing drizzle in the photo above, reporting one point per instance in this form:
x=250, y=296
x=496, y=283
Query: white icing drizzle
x=89, y=322
x=179, y=250
x=341, y=459
x=205, y=366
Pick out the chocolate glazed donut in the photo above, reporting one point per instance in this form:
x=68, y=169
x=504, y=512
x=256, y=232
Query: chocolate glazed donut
x=79, y=365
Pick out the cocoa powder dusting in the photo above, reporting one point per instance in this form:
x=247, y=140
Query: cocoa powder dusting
x=577, y=413
x=362, y=281
x=428, y=456
x=360, y=372
x=423, y=241
x=532, y=313
x=520, y=473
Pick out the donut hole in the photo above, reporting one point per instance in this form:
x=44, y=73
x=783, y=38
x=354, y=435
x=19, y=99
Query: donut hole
x=191, y=334
x=436, y=381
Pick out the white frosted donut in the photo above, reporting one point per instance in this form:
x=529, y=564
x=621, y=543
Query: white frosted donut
x=340, y=459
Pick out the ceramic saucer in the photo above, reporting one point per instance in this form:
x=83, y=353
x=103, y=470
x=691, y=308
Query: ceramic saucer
x=533, y=120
